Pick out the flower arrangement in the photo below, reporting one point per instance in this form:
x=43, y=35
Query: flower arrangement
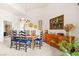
x=68, y=27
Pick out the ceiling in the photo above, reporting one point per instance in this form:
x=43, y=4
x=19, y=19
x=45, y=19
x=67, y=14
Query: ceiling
x=21, y=8
x=28, y=6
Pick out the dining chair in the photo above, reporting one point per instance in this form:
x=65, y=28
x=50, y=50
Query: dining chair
x=38, y=42
x=14, y=40
x=24, y=41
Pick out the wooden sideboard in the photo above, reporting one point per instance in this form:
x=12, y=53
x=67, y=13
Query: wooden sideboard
x=70, y=39
x=57, y=38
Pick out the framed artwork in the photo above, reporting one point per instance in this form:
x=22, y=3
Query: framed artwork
x=35, y=26
x=57, y=22
x=40, y=22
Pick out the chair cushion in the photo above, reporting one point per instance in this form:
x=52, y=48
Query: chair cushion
x=25, y=41
x=38, y=39
x=15, y=39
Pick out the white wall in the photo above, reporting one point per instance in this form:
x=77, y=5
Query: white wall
x=35, y=14
x=77, y=21
x=68, y=10
x=8, y=16
x=1, y=30
x=52, y=10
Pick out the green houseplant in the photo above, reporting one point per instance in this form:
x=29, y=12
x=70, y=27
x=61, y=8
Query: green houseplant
x=69, y=51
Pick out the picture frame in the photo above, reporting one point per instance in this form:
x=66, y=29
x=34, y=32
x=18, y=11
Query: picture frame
x=57, y=22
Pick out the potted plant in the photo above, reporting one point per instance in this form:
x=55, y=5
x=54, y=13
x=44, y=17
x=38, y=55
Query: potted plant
x=69, y=51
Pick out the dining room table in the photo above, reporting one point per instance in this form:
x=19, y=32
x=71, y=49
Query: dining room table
x=32, y=37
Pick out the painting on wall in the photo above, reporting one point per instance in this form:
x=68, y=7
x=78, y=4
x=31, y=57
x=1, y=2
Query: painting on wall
x=30, y=25
x=57, y=22
x=40, y=22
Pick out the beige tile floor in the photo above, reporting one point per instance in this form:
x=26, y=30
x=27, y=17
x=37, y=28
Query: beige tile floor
x=46, y=50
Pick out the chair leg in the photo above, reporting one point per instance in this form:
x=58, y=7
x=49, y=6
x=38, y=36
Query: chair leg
x=33, y=44
x=39, y=45
x=30, y=45
x=11, y=44
x=19, y=45
x=16, y=45
x=25, y=47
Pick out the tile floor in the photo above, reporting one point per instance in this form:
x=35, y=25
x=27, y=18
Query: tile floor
x=46, y=50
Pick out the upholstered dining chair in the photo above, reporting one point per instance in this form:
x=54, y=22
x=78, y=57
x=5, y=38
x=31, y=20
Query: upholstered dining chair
x=24, y=41
x=38, y=42
x=14, y=39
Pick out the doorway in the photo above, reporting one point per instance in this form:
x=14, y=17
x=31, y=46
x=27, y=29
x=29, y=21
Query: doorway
x=7, y=28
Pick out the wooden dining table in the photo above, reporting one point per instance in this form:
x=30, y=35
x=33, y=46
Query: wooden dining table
x=32, y=37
